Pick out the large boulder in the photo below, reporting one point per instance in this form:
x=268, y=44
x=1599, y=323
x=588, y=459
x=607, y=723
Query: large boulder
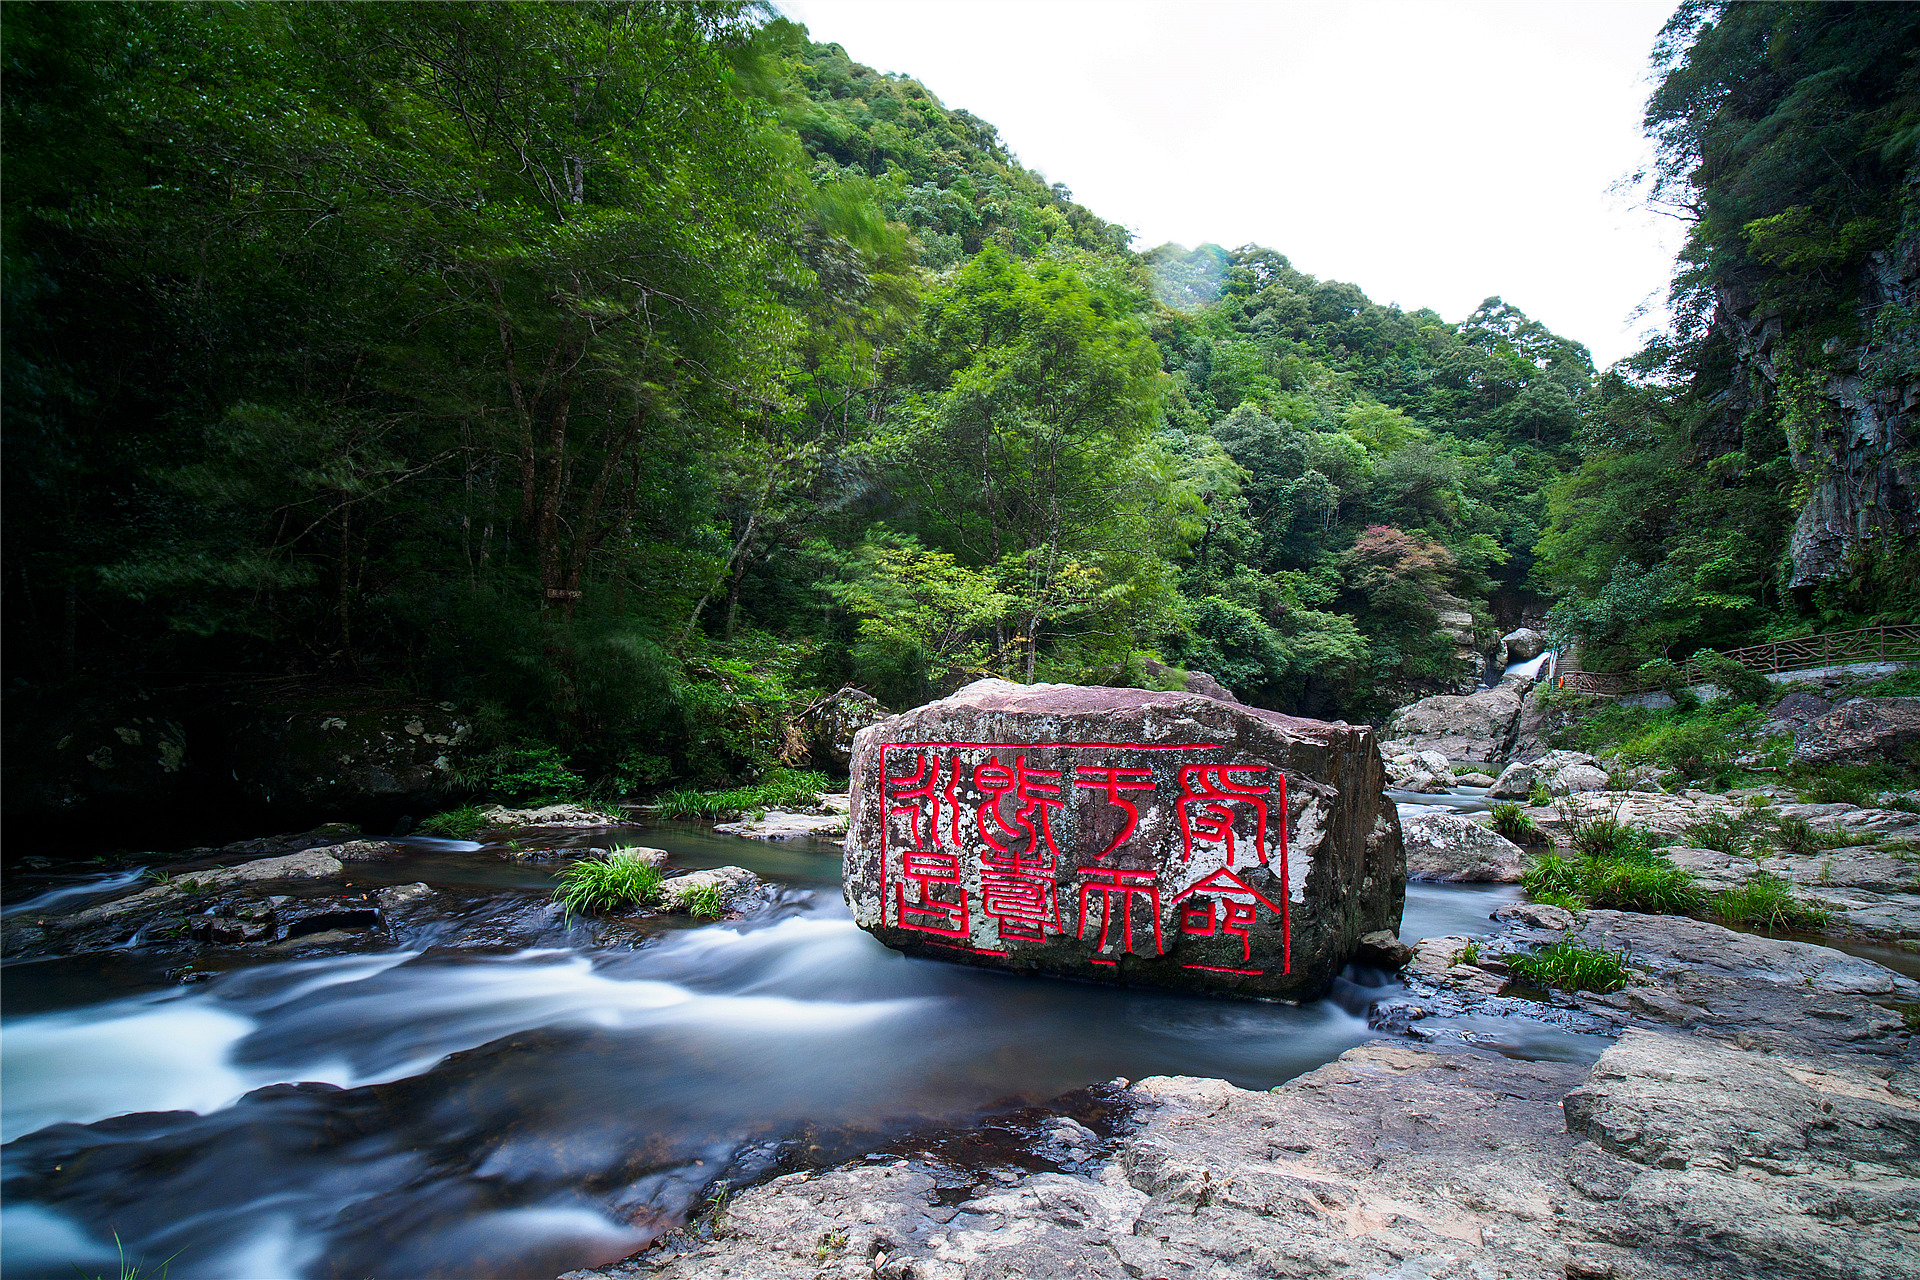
x=1476, y=727
x=1446, y=846
x=831, y=723
x=350, y=754
x=1570, y=772
x=1524, y=644
x=1514, y=783
x=1423, y=771
x=1863, y=731
x=1123, y=836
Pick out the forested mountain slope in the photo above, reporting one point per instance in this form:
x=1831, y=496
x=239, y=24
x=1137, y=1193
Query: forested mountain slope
x=624, y=375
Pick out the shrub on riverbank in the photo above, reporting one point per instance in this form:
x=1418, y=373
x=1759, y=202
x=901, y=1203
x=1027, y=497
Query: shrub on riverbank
x=779, y=789
x=1701, y=744
x=594, y=886
x=1571, y=967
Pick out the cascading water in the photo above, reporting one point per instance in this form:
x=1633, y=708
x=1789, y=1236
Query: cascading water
x=1528, y=670
x=471, y=1110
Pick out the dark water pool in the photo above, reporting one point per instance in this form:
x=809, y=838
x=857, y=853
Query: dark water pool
x=457, y=1111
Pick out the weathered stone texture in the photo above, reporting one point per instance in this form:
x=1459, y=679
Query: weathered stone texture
x=1120, y=835
x=1446, y=846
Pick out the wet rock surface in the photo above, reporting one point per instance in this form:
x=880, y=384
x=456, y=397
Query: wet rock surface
x=780, y=824
x=1123, y=836
x=501, y=818
x=1758, y=1113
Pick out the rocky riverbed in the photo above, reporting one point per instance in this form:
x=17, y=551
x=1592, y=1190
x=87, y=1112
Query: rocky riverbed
x=1743, y=1104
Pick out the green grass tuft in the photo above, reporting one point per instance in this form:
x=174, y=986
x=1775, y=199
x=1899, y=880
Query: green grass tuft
x=463, y=823
x=1765, y=902
x=780, y=789
x=703, y=902
x=1512, y=822
x=1571, y=967
x=594, y=886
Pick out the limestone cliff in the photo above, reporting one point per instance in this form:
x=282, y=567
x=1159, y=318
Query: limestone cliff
x=1849, y=407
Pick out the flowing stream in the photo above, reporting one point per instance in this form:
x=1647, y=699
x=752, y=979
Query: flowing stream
x=506, y=1108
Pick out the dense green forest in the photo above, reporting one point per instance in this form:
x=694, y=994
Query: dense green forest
x=627, y=374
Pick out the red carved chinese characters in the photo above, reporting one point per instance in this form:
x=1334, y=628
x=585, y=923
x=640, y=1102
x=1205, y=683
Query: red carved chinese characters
x=930, y=895
x=1117, y=889
x=971, y=847
x=1206, y=791
x=1016, y=883
x=1113, y=781
x=1242, y=903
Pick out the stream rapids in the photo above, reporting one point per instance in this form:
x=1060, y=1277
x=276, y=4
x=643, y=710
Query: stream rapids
x=500, y=1092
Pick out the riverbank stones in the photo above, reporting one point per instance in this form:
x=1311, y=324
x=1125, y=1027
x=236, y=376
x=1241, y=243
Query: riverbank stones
x=1121, y=835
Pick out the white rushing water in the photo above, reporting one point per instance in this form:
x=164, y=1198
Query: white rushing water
x=67, y=897
x=480, y=1111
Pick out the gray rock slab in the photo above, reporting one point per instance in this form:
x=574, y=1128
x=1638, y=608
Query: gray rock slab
x=779, y=824
x=738, y=887
x=552, y=815
x=1476, y=727
x=1665, y=943
x=1448, y=847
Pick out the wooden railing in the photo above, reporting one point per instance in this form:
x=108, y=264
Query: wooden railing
x=1895, y=643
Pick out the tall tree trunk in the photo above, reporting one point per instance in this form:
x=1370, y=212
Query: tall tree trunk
x=546, y=531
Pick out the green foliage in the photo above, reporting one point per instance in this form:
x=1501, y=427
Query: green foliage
x=1615, y=867
x=1539, y=796
x=787, y=789
x=1700, y=744
x=1785, y=141
x=1469, y=954
x=703, y=902
x=597, y=886
x=1765, y=902
x=1856, y=784
x=456, y=824
x=1512, y=822
x=1740, y=685
x=1570, y=966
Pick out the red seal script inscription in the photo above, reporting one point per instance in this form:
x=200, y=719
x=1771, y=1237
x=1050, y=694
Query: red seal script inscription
x=986, y=846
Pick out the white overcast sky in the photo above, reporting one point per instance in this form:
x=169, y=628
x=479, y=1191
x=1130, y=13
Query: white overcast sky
x=1432, y=153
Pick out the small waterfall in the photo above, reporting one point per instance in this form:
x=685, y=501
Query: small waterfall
x=1530, y=669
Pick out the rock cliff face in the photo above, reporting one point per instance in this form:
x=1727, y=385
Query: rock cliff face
x=1119, y=835
x=1851, y=419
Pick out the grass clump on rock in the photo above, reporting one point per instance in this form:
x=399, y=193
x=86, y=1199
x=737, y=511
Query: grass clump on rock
x=1513, y=823
x=1570, y=966
x=1613, y=866
x=463, y=823
x=594, y=886
x=1764, y=902
x=703, y=902
x=779, y=789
